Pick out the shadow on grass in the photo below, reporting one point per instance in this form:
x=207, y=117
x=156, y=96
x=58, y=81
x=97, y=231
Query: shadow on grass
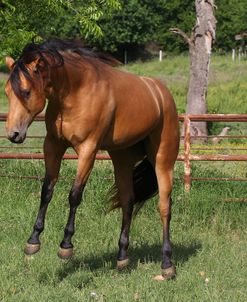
x=143, y=254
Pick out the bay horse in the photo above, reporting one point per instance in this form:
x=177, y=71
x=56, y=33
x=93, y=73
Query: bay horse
x=93, y=106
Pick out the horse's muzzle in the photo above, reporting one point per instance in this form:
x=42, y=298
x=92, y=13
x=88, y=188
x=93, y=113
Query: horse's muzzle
x=16, y=137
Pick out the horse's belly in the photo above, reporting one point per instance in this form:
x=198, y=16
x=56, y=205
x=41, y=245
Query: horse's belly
x=128, y=133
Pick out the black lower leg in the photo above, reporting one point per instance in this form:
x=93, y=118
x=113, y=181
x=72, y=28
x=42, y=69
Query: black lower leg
x=69, y=230
x=166, y=249
x=46, y=195
x=74, y=201
x=166, y=254
x=123, y=242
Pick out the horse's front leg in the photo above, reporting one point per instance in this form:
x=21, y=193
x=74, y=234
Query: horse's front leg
x=53, y=152
x=86, y=157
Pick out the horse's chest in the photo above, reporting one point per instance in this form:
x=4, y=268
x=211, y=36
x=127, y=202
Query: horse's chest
x=65, y=131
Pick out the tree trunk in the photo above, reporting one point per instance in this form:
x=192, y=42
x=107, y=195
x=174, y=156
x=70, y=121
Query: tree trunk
x=203, y=36
x=200, y=44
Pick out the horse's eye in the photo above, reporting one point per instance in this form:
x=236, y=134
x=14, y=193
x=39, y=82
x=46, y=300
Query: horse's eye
x=26, y=94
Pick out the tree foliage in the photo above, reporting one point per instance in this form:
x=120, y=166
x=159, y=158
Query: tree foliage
x=143, y=21
x=232, y=20
x=21, y=21
x=103, y=24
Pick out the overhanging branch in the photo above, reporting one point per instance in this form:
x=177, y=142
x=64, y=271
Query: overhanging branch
x=182, y=34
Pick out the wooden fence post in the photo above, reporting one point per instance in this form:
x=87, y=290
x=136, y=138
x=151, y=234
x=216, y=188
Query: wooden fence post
x=187, y=167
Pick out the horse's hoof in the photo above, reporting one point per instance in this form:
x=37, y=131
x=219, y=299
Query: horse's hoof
x=121, y=264
x=169, y=273
x=159, y=278
x=65, y=253
x=31, y=249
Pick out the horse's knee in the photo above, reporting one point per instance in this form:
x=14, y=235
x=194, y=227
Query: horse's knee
x=47, y=190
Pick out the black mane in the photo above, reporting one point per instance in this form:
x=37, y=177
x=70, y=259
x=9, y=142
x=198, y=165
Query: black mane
x=52, y=49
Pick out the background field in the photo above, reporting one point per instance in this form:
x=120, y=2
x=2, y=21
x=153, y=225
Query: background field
x=209, y=235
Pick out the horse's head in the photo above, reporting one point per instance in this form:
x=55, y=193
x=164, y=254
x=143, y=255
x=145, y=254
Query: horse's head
x=35, y=75
x=25, y=92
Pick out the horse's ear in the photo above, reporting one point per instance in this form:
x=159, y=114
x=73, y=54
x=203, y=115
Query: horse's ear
x=37, y=65
x=9, y=62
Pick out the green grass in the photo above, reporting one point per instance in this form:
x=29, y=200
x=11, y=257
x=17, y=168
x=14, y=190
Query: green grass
x=208, y=235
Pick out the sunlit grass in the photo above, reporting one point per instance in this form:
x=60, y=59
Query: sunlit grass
x=208, y=235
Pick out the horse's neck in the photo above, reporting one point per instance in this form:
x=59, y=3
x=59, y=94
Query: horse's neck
x=58, y=84
x=66, y=80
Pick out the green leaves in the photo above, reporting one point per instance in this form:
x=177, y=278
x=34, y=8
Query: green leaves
x=231, y=17
x=20, y=21
x=141, y=22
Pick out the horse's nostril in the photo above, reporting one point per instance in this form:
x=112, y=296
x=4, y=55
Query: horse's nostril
x=16, y=137
x=15, y=134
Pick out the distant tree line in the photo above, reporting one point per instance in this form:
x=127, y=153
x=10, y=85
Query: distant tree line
x=137, y=25
x=141, y=22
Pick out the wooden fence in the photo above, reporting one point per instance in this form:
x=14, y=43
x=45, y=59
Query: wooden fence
x=185, y=153
x=187, y=157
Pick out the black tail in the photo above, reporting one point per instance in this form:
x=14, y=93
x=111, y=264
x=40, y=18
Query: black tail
x=145, y=186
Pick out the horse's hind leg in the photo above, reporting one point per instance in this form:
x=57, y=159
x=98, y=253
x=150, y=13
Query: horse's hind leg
x=124, y=162
x=162, y=152
x=164, y=177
